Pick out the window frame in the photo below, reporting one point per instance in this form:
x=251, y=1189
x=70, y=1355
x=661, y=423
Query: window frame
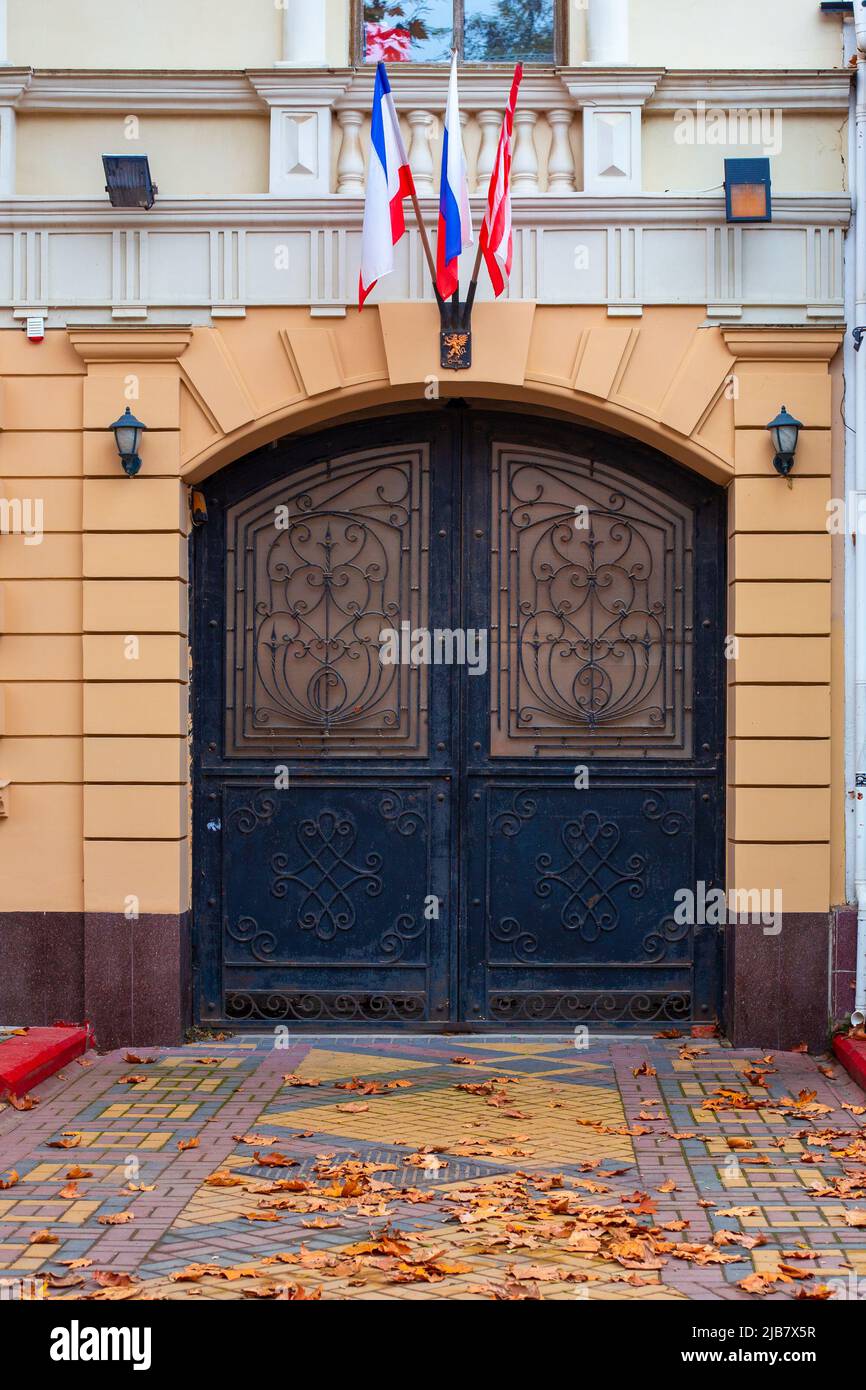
x=560, y=40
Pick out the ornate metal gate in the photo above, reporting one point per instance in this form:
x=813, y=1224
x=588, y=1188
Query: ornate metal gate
x=493, y=835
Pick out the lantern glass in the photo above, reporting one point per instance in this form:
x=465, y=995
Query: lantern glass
x=785, y=438
x=127, y=440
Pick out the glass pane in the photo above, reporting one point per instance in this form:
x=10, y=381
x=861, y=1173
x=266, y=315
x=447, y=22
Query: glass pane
x=417, y=31
x=508, y=30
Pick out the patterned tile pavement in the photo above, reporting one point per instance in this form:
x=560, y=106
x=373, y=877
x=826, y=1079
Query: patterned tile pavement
x=474, y=1214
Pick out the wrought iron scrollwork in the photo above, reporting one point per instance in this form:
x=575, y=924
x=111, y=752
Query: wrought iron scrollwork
x=590, y=876
x=608, y=1006
x=593, y=591
x=305, y=1006
x=260, y=810
x=311, y=595
x=261, y=943
x=327, y=874
x=656, y=809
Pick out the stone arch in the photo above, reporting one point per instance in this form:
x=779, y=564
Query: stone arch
x=658, y=380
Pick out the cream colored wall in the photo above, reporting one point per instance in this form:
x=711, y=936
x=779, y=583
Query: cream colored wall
x=733, y=34
x=810, y=159
x=144, y=34
x=215, y=34
x=60, y=154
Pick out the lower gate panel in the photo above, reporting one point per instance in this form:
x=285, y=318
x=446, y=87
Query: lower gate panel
x=572, y=904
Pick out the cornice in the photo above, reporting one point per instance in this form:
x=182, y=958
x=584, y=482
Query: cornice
x=768, y=344
x=225, y=93
x=287, y=87
x=817, y=90
x=336, y=210
x=255, y=90
x=13, y=83
x=145, y=344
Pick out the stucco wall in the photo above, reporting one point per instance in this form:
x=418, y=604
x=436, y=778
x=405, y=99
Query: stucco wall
x=95, y=743
x=190, y=156
x=218, y=34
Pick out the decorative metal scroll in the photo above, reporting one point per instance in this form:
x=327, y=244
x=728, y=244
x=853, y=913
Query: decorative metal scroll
x=593, y=611
x=319, y=564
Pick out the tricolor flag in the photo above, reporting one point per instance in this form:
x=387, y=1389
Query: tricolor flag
x=455, y=219
x=496, y=239
x=389, y=181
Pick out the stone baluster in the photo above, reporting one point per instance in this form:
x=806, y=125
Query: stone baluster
x=350, y=163
x=491, y=124
x=421, y=151
x=560, y=167
x=524, y=164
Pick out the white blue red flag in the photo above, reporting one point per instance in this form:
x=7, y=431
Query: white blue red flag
x=455, y=218
x=389, y=181
x=496, y=237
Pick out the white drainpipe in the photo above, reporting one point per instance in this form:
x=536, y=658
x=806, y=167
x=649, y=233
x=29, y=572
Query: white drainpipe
x=859, y=491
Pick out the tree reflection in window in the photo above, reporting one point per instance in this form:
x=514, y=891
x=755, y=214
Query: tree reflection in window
x=419, y=31
x=497, y=31
x=484, y=31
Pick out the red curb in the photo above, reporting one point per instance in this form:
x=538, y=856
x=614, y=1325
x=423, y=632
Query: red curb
x=31, y=1057
x=852, y=1054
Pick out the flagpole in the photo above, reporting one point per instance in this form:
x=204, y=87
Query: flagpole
x=473, y=283
x=425, y=240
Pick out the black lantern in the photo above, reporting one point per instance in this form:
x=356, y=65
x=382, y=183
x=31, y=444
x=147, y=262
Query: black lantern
x=784, y=432
x=127, y=437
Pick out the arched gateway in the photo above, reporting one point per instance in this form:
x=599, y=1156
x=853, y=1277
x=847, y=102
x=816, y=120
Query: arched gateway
x=489, y=828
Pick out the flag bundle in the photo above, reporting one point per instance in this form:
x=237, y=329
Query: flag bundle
x=389, y=181
x=496, y=239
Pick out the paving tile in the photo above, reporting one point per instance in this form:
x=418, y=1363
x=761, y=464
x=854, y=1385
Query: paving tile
x=148, y=1149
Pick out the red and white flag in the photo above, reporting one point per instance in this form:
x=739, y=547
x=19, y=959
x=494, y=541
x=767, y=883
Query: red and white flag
x=497, y=242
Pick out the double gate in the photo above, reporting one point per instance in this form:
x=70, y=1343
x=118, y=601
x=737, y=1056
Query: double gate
x=458, y=713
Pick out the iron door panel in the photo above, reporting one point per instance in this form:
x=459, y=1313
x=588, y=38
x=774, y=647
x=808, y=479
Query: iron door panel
x=324, y=902
x=572, y=902
x=641, y=591
x=280, y=931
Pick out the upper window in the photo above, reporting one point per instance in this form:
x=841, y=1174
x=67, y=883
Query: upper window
x=482, y=31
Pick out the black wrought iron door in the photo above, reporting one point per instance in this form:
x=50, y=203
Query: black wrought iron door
x=488, y=830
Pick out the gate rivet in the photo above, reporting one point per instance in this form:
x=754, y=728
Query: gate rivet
x=476, y=902
x=705, y=797
x=211, y=902
x=476, y=796
x=479, y=533
x=443, y=533
x=213, y=623
x=440, y=796
x=440, y=747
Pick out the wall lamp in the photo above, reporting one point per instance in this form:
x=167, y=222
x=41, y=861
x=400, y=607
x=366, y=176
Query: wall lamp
x=784, y=432
x=747, y=190
x=128, y=182
x=127, y=436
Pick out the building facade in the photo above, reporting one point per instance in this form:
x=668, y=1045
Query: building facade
x=218, y=805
